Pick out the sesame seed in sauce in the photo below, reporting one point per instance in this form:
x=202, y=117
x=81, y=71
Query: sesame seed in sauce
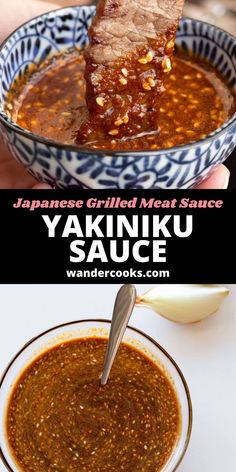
x=149, y=56
x=170, y=44
x=119, y=122
x=142, y=60
x=146, y=86
x=113, y=132
x=123, y=81
x=124, y=72
x=100, y=101
x=166, y=64
x=151, y=81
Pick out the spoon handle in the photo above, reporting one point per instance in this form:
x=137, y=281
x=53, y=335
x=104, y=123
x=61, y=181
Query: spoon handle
x=123, y=308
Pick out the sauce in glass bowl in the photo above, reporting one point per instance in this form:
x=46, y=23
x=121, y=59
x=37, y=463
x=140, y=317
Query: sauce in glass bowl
x=59, y=417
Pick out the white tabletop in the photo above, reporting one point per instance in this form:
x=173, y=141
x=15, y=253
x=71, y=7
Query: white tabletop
x=206, y=353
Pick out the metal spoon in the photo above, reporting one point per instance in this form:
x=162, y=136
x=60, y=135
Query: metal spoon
x=124, y=304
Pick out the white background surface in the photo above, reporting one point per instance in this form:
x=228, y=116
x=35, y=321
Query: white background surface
x=206, y=353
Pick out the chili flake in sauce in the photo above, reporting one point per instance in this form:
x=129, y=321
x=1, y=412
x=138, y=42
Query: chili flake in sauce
x=60, y=418
x=196, y=101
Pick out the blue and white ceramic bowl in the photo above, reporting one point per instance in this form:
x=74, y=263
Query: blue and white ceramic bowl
x=69, y=166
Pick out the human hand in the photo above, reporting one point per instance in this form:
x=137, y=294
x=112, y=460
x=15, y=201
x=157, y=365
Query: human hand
x=218, y=179
x=13, y=175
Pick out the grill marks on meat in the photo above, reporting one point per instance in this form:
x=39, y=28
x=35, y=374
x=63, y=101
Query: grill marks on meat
x=129, y=55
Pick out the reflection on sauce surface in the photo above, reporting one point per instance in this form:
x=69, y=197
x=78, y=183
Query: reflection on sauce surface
x=196, y=101
x=59, y=418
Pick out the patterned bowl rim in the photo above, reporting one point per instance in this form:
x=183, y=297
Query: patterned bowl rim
x=85, y=150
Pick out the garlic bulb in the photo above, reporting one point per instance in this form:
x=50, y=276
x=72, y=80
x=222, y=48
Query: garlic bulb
x=184, y=303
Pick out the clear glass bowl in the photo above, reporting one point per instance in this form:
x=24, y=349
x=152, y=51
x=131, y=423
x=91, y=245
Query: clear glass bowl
x=96, y=328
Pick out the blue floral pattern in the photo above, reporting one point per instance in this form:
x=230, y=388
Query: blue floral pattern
x=68, y=166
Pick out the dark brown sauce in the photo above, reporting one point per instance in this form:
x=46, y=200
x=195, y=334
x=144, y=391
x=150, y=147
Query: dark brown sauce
x=196, y=101
x=59, y=418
